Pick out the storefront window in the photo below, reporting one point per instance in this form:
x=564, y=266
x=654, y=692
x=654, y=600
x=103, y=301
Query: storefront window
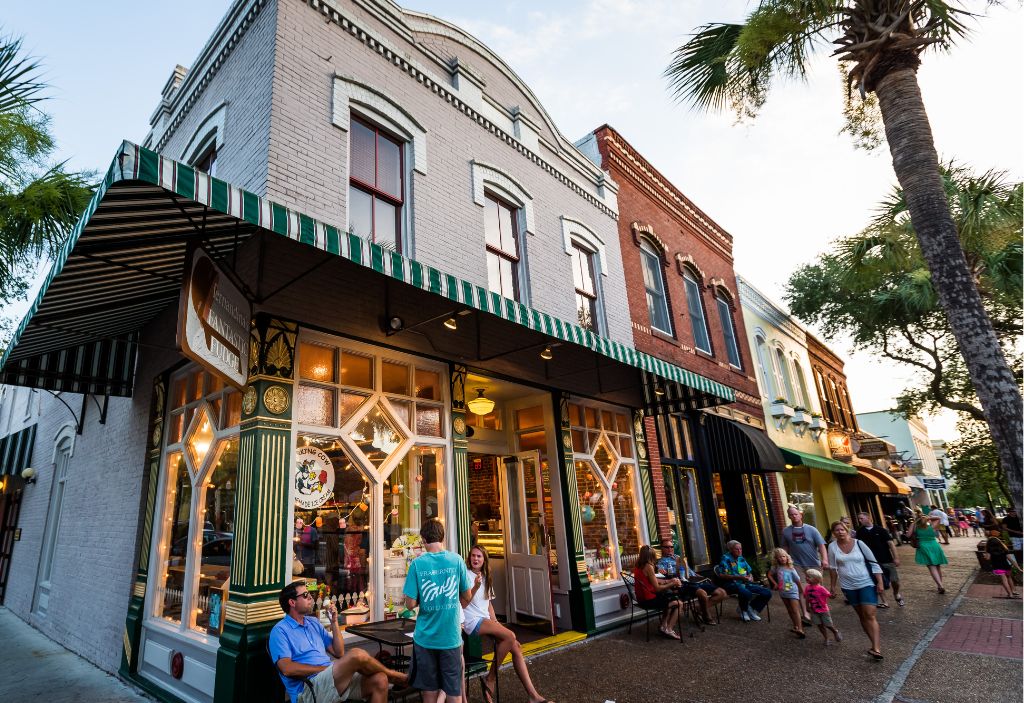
x=799, y=493
x=197, y=516
x=380, y=430
x=607, y=484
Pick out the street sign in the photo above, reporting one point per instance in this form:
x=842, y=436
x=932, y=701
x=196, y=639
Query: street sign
x=873, y=449
x=935, y=484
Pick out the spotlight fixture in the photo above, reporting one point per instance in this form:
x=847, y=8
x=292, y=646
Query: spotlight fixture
x=451, y=324
x=395, y=323
x=29, y=474
x=659, y=391
x=546, y=354
x=480, y=405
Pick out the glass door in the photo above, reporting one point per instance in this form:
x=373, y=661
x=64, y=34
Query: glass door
x=528, y=575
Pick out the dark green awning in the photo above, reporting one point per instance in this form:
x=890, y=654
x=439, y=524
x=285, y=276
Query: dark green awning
x=812, y=461
x=16, y=451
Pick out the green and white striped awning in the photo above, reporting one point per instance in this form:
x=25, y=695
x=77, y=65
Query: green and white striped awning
x=16, y=451
x=124, y=260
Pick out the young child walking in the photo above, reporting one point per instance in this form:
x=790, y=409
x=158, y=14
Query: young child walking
x=817, y=601
x=785, y=579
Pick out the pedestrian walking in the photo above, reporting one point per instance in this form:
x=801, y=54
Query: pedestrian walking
x=975, y=526
x=785, y=579
x=817, y=600
x=806, y=546
x=860, y=578
x=942, y=526
x=929, y=553
x=963, y=524
x=1012, y=527
x=883, y=546
x=999, y=558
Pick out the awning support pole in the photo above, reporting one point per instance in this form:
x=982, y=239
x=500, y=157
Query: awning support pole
x=78, y=423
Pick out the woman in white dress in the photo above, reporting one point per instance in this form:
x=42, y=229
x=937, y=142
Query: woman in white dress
x=480, y=621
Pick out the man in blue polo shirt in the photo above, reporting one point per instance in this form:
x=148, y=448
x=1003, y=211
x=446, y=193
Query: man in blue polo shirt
x=299, y=647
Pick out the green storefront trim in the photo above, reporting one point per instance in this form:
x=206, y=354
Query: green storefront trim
x=811, y=461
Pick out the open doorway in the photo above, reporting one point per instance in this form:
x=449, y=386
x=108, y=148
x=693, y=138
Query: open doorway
x=511, y=497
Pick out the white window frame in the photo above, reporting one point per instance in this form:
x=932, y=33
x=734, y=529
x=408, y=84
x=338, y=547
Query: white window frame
x=649, y=250
x=597, y=266
x=800, y=385
x=210, y=132
x=376, y=476
x=765, y=364
x=693, y=287
x=728, y=329
x=490, y=180
x=781, y=370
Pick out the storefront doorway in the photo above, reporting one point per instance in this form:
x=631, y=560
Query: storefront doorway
x=511, y=495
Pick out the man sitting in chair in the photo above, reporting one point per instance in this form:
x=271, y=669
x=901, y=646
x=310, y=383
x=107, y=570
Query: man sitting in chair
x=737, y=577
x=694, y=585
x=299, y=646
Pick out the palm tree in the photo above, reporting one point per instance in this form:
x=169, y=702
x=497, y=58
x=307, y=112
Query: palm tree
x=880, y=42
x=39, y=200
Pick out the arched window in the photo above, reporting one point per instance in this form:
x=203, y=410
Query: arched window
x=770, y=389
x=654, y=286
x=783, y=384
x=732, y=349
x=800, y=386
x=584, y=279
x=695, y=307
x=376, y=192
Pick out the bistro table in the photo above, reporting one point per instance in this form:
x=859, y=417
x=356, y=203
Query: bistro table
x=396, y=633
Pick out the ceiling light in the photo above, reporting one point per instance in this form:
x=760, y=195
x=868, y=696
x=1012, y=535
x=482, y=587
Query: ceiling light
x=395, y=323
x=659, y=391
x=451, y=324
x=480, y=405
x=546, y=354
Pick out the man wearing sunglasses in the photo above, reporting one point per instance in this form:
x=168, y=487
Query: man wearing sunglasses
x=299, y=648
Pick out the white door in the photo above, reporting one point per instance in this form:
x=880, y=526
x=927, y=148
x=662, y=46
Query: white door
x=529, y=582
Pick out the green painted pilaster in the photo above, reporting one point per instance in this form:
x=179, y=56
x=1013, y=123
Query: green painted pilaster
x=460, y=450
x=581, y=600
x=132, y=635
x=643, y=467
x=261, y=555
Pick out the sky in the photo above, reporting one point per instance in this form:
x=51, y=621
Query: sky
x=784, y=185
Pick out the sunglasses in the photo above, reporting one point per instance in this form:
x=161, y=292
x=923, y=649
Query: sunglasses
x=304, y=594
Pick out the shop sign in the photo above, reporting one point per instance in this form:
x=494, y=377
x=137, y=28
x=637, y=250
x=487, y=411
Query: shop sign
x=840, y=444
x=934, y=484
x=314, y=478
x=873, y=449
x=213, y=320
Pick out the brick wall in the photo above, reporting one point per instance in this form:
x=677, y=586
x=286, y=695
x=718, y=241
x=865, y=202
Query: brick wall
x=647, y=198
x=308, y=159
x=94, y=558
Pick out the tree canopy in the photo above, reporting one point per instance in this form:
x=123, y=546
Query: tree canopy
x=875, y=288
x=39, y=199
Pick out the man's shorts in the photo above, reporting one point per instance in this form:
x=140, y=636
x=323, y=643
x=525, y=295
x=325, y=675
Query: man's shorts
x=890, y=575
x=324, y=690
x=436, y=670
x=822, y=619
x=690, y=589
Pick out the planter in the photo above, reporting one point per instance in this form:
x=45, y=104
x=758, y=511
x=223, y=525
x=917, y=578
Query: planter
x=781, y=410
x=801, y=417
x=818, y=423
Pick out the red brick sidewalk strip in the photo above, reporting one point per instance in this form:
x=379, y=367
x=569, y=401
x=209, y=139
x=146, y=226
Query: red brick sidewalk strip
x=985, y=590
x=967, y=634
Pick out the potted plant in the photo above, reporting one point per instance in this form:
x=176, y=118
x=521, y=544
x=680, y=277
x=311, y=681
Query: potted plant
x=780, y=407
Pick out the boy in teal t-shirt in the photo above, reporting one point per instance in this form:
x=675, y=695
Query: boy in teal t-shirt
x=439, y=583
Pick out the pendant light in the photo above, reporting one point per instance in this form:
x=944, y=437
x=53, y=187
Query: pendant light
x=480, y=405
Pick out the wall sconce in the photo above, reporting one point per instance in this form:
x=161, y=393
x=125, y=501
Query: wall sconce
x=29, y=474
x=451, y=324
x=659, y=391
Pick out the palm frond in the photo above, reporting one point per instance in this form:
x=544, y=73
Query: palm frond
x=37, y=219
x=703, y=68
x=18, y=84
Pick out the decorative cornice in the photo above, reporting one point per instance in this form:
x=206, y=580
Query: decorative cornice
x=400, y=60
x=757, y=302
x=248, y=613
x=224, y=40
x=641, y=170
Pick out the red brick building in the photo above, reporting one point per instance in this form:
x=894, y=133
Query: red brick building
x=683, y=301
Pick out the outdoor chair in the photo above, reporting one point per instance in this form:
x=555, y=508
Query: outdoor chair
x=476, y=668
x=722, y=583
x=648, y=610
x=307, y=682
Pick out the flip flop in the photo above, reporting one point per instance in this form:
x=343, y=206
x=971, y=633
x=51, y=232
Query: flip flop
x=877, y=656
x=488, y=692
x=882, y=605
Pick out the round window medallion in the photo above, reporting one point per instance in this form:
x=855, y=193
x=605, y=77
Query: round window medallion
x=249, y=400
x=275, y=399
x=177, y=664
x=460, y=425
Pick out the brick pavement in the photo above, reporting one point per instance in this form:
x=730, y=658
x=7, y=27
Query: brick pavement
x=998, y=637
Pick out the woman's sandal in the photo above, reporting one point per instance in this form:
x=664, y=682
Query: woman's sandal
x=877, y=656
x=488, y=692
x=799, y=633
x=883, y=605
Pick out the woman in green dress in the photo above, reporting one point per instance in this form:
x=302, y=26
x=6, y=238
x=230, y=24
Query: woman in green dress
x=929, y=552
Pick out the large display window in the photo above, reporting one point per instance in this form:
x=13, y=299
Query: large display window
x=371, y=443
x=608, y=486
x=196, y=522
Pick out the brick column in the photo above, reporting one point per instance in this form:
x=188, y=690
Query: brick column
x=261, y=556
x=657, y=479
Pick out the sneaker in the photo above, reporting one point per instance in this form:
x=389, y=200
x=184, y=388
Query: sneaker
x=744, y=616
x=753, y=615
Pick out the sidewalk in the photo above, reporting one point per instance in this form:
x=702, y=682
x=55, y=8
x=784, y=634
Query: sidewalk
x=36, y=668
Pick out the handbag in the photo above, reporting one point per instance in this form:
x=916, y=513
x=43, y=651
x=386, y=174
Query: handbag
x=914, y=541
